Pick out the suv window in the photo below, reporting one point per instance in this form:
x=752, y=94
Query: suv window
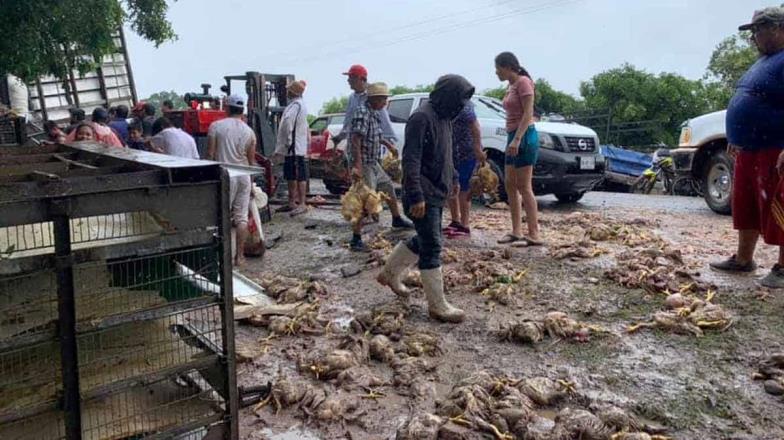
x=487, y=110
x=400, y=109
x=318, y=125
x=337, y=120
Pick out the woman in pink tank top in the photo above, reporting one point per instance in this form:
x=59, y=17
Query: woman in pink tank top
x=522, y=148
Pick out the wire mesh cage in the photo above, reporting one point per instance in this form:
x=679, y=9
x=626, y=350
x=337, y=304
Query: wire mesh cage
x=115, y=300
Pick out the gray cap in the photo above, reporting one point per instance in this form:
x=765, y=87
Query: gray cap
x=236, y=101
x=773, y=14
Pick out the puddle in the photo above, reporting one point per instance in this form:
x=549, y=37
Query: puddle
x=292, y=434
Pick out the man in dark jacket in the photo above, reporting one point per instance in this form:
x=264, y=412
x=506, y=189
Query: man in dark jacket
x=428, y=177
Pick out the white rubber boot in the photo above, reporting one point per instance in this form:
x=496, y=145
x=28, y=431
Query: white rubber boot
x=439, y=308
x=395, y=269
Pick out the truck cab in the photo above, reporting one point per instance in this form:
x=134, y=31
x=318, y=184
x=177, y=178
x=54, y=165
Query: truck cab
x=702, y=156
x=569, y=165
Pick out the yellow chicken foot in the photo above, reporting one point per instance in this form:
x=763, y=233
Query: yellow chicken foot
x=709, y=296
x=373, y=395
x=461, y=420
x=263, y=403
x=684, y=312
x=567, y=386
x=639, y=325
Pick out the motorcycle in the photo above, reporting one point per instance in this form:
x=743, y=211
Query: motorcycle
x=663, y=168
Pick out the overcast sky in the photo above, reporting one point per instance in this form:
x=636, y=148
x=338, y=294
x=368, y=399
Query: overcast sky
x=414, y=41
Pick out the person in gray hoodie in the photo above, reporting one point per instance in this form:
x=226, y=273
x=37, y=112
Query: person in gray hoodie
x=428, y=177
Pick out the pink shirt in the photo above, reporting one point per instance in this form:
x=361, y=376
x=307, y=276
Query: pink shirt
x=513, y=101
x=103, y=134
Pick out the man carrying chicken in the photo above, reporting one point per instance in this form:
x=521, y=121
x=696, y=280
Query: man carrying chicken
x=428, y=177
x=364, y=155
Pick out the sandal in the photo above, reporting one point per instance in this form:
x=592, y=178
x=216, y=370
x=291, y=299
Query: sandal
x=531, y=242
x=509, y=238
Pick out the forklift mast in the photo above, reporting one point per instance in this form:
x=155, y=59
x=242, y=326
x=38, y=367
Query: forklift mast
x=266, y=101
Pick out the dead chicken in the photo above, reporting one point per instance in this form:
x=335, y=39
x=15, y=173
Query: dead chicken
x=381, y=349
x=392, y=166
x=616, y=418
x=388, y=319
x=408, y=369
x=772, y=372
x=484, y=181
x=579, y=424
x=328, y=366
x=420, y=343
x=538, y=428
x=360, y=202
x=420, y=427
x=525, y=332
x=544, y=391
x=698, y=316
x=638, y=436
x=335, y=408
x=560, y=325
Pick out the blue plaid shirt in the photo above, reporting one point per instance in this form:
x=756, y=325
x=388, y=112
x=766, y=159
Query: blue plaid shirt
x=366, y=122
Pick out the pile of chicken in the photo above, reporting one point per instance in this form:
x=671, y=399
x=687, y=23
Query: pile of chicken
x=360, y=202
x=556, y=325
x=509, y=409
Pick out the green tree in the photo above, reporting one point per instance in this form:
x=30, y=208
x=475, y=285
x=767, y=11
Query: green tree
x=644, y=108
x=335, y=105
x=157, y=100
x=401, y=90
x=43, y=37
x=729, y=61
x=497, y=93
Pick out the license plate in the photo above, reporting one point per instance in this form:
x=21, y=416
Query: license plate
x=587, y=163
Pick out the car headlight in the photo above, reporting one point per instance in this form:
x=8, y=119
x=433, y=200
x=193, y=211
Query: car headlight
x=685, y=139
x=546, y=141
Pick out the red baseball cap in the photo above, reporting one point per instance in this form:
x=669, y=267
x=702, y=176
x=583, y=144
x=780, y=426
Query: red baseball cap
x=357, y=70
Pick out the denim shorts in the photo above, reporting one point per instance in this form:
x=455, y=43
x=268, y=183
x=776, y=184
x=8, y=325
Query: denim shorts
x=528, y=151
x=465, y=170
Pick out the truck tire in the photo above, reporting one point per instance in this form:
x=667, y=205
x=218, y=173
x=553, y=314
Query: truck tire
x=569, y=197
x=718, y=183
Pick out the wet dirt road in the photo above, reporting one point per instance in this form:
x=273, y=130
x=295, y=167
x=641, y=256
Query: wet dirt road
x=692, y=387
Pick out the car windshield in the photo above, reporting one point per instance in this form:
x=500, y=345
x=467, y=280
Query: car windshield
x=337, y=120
x=487, y=109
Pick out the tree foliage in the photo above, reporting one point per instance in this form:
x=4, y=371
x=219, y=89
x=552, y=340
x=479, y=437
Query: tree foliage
x=335, y=105
x=731, y=59
x=421, y=88
x=643, y=108
x=52, y=37
x=157, y=99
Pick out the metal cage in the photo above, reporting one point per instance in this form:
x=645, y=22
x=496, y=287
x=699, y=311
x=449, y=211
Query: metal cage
x=116, y=317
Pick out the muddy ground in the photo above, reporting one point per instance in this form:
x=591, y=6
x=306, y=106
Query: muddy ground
x=694, y=387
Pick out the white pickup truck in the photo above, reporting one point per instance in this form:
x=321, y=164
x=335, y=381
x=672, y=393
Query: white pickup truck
x=702, y=156
x=569, y=162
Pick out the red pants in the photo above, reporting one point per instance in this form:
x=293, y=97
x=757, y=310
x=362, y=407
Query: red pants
x=755, y=185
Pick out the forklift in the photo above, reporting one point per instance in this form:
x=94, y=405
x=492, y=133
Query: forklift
x=266, y=100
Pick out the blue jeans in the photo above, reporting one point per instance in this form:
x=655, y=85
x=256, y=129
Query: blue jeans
x=428, y=239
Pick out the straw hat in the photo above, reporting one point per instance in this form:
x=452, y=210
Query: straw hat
x=377, y=89
x=297, y=88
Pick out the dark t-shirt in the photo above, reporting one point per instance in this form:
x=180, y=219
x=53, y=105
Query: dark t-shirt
x=462, y=138
x=120, y=127
x=755, y=116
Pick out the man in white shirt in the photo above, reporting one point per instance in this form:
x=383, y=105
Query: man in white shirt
x=232, y=141
x=168, y=139
x=292, y=143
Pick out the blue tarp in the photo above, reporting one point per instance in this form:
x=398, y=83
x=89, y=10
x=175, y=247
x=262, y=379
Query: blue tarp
x=626, y=162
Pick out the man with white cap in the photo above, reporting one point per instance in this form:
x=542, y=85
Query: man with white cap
x=232, y=141
x=292, y=143
x=755, y=137
x=364, y=153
